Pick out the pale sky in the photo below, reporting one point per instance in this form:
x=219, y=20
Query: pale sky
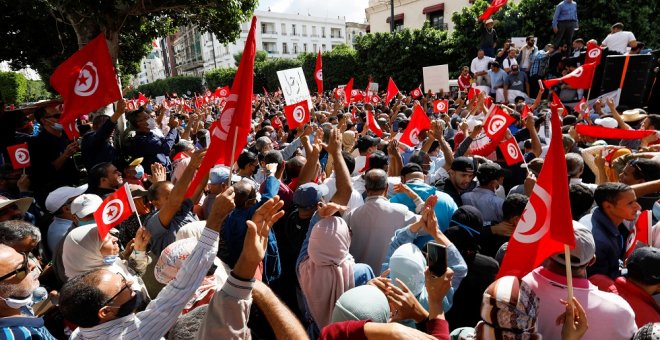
x=353, y=10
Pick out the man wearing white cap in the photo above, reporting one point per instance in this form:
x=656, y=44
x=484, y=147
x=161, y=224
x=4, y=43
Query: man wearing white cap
x=58, y=203
x=84, y=206
x=14, y=209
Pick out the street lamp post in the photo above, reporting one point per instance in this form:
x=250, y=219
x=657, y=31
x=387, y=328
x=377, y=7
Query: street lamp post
x=391, y=16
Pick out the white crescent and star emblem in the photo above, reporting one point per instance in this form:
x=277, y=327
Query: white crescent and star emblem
x=319, y=74
x=512, y=150
x=112, y=211
x=534, y=222
x=414, y=136
x=299, y=114
x=223, y=92
x=441, y=106
x=496, y=124
x=578, y=72
x=22, y=156
x=88, y=80
x=594, y=53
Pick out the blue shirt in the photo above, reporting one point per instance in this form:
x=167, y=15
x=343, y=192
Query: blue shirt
x=444, y=209
x=21, y=327
x=496, y=79
x=610, y=245
x=154, y=149
x=565, y=11
x=487, y=202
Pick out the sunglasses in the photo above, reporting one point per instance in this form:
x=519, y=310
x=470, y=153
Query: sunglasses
x=21, y=272
x=126, y=286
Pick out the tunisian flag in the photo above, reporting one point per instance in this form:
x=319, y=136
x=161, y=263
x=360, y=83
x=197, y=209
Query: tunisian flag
x=419, y=122
x=525, y=112
x=546, y=224
x=318, y=73
x=373, y=124
x=557, y=104
x=511, y=151
x=19, y=155
x=597, y=131
x=115, y=209
x=441, y=106
x=229, y=132
x=416, y=93
x=594, y=53
x=492, y=9
x=87, y=80
x=580, y=78
x=392, y=91
x=297, y=114
x=348, y=92
x=497, y=123
x=640, y=233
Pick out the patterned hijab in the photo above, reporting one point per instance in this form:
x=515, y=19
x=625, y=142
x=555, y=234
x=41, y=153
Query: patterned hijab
x=508, y=311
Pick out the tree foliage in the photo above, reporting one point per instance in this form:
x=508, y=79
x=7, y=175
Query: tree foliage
x=180, y=85
x=220, y=76
x=13, y=87
x=42, y=33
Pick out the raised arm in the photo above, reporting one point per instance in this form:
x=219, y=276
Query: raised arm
x=178, y=193
x=282, y=321
x=344, y=184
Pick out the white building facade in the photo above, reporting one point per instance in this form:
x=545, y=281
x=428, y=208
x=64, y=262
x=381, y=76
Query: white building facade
x=151, y=68
x=413, y=13
x=281, y=35
x=354, y=30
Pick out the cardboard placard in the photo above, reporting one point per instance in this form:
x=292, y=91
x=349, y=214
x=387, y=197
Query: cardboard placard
x=294, y=86
x=436, y=78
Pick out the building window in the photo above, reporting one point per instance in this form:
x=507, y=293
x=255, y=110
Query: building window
x=315, y=49
x=314, y=35
x=285, y=49
x=293, y=29
x=322, y=32
x=283, y=29
x=295, y=48
x=437, y=20
x=304, y=30
x=305, y=47
x=323, y=47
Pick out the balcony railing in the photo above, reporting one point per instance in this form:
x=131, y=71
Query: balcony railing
x=268, y=32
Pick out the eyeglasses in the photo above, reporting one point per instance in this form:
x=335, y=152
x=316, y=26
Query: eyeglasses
x=56, y=116
x=126, y=286
x=21, y=272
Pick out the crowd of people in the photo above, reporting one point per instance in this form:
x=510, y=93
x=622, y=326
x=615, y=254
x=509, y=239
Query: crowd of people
x=322, y=231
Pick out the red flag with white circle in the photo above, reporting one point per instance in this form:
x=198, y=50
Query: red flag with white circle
x=375, y=99
x=441, y=106
x=71, y=130
x=511, y=151
x=318, y=73
x=373, y=124
x=416, y=93
x=419, y=122
x=297, y=114
x=19, y=155
x=594, y=53
x=497, y=122
x=116, y=208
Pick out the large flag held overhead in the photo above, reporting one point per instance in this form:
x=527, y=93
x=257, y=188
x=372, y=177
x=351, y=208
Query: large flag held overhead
x=348, y=92
x=580, y=78
x=392, y=91
x=318, y=73
x=597, y=131
x=495, y=6
x=297, y=114
x=497, y=122
x=87, y=80
x=229, y=133
x=419, y=122
x=594, y=53
x=546, y=224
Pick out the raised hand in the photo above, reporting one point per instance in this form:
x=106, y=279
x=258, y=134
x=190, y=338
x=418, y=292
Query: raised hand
x=157, y=173
x=406, y=306
x=141, y=239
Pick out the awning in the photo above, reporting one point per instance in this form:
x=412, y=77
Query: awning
x=434, y=8
x=397, y=17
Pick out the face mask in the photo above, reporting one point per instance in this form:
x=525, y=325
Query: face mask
x=131, y=305
x=656, y=210
x=109, y=259
x=139, y=172
x=82, y=223
x=18, y=303
x=58, y=126
x=39, y=294
x=152, y=123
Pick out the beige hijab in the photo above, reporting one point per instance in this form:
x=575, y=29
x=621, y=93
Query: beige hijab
x=348, y=140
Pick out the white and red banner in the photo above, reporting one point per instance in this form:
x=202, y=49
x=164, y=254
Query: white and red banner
x=116, y=208
x=546, y=224
x=87, y=80
x=297, y=114
x=419, y=122
x=19, y=155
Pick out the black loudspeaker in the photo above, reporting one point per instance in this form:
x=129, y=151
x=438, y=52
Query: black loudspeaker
x=638, y=81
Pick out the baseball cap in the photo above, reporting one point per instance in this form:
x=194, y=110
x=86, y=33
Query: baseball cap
x=489, y=171
x=219, y=175
x=607, y=122
x=410, y=168
x=489, y=21
x=85, y=205
x=58, y=197
x=22, y=203
x=465, y=164
x=365, y=142
x=308, y=195
x=585, y=247
x=644, y=265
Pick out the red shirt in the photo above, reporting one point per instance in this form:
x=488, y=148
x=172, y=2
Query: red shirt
x=464, y=82
x=354, y=330
x=645, y=308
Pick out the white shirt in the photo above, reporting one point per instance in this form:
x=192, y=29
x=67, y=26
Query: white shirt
x=612, y=316
x=373, y=226
x=355, y=200
x=508, y=62
x=479, y=65
x=619, y=41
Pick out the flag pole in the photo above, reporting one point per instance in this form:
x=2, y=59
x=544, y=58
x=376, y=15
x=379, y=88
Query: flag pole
x=569, y=273
x=233, y=154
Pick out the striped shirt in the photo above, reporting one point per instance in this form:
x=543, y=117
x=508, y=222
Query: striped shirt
x=162, y=312
x=23, y=327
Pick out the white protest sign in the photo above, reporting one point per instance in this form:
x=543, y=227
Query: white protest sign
x=160, y=99
x=294, y=86
x=436, y=78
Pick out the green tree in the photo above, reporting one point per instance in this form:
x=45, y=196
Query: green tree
x=261, y=56
x=13, y=87
x=220, y=77
x=36, y=90
x=42, y=33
